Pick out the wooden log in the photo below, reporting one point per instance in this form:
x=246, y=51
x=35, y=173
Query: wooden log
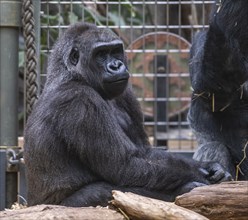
x=140, y=208
x=228, y=200
x=49, y=212
x=217, y=202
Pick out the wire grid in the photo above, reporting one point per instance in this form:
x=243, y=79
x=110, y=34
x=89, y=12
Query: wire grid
x=157, y=36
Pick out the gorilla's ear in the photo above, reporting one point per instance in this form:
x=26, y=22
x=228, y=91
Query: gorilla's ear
x=74, y=56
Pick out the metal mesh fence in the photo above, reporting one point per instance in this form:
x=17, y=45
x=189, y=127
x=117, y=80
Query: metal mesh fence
x=157, y=36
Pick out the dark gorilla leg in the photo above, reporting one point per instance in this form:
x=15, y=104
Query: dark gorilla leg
x=90, y=195
x=100, y=193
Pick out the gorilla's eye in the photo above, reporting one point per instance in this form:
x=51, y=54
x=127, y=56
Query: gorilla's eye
x=101, y=56
x=74, y=56
x=117, y=51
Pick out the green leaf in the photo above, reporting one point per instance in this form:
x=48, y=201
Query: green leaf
x=73, y=18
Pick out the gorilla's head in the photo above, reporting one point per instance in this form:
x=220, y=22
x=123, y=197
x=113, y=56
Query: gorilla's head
x=93, y=55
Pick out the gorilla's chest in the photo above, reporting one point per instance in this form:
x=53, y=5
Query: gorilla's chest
x=120, y=116
x=123, y=120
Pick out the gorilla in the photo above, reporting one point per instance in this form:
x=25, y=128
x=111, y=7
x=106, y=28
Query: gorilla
x=85, y=135
x=219, y=77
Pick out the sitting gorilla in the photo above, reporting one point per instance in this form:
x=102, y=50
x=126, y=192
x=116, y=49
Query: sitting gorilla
x=219, y=75
x=85, y=136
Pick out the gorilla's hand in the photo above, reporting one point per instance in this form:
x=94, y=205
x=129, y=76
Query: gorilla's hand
x=188, y=187
x=215, y=173
x=212, y=171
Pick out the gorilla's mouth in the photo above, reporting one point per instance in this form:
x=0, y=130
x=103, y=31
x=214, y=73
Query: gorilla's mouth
x=119, y=81
x=115, y=87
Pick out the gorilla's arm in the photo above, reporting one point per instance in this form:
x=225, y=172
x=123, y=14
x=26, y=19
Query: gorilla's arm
x=111, y=154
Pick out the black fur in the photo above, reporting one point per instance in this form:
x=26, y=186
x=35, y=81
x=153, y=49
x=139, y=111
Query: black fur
x=80, y=144
x=219, y=74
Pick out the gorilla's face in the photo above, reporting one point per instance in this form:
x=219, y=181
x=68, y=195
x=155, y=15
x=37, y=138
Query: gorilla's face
x=107, y=62
x=97, y=57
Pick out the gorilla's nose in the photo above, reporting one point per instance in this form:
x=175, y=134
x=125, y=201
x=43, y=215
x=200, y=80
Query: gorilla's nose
x=116, y=67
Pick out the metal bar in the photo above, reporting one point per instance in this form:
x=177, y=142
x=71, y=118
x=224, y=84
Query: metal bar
x=10, y=15
x=168, y=27
x=2, y=179
x=187, y=154
x=127, y=2
x=161, y=92
x=9, y=36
